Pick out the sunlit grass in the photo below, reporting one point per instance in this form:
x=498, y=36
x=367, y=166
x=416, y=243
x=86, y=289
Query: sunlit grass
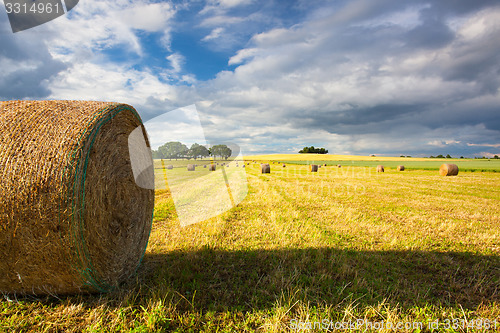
x=341, y=244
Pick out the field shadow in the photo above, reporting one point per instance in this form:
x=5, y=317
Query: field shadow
x=244, y=280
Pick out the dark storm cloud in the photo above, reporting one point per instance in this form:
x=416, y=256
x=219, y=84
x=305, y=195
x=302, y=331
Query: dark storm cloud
x=26, y=65
x=432, y=33
x=370, y=72
x=356, y=119
x=460, y=7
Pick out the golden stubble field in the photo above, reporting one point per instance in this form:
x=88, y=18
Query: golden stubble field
x=344, y=245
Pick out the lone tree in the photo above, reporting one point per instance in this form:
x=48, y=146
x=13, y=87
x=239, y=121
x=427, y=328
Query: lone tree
x=312, y=150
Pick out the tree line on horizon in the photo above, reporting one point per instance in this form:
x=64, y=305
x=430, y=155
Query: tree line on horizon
x=178, y=150
x=449, y=156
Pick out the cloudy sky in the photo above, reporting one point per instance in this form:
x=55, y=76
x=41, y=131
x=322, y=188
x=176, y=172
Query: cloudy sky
x=384, y=77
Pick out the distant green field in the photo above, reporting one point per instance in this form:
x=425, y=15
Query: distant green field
x=471, y=165
x=463, y=165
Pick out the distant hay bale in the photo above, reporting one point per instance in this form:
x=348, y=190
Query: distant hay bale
x=401, y=168
x=170, y=167
x=72, y=217
x=204, y=166
x=191, y=167
x=284, y=165
x=339, y=166
x=243, y=166
x=380, y=168
x=324, y=164
x=448, y=170
x=211, y=167
x=265, y=168
x=313, y=168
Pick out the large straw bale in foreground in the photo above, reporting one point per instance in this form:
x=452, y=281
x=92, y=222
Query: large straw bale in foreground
x=72, y=218
x=448, y=170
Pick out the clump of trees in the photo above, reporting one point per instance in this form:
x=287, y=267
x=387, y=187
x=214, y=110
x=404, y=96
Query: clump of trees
x=221, y=150
x=177, y=150
x=312, y=150
x=441, y=156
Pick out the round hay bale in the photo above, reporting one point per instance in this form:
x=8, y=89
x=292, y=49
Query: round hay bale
x=324, y=164
x=191, y=167
x=211, y=167
x=243, y=166
x=72, y=217
x=265, y=168
x=204, y=166
x=380, y=168
x=339, y=166
x=401, y=168
x=170, y=167
x=448, y=170
x=284, y=165
x=313, y=168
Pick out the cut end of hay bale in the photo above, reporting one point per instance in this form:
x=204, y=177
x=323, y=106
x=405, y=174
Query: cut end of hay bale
x=76, y=197
x=401, y=168
x=380, y=168
x=448, y=170
x=265, y=168
x=313, y=168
